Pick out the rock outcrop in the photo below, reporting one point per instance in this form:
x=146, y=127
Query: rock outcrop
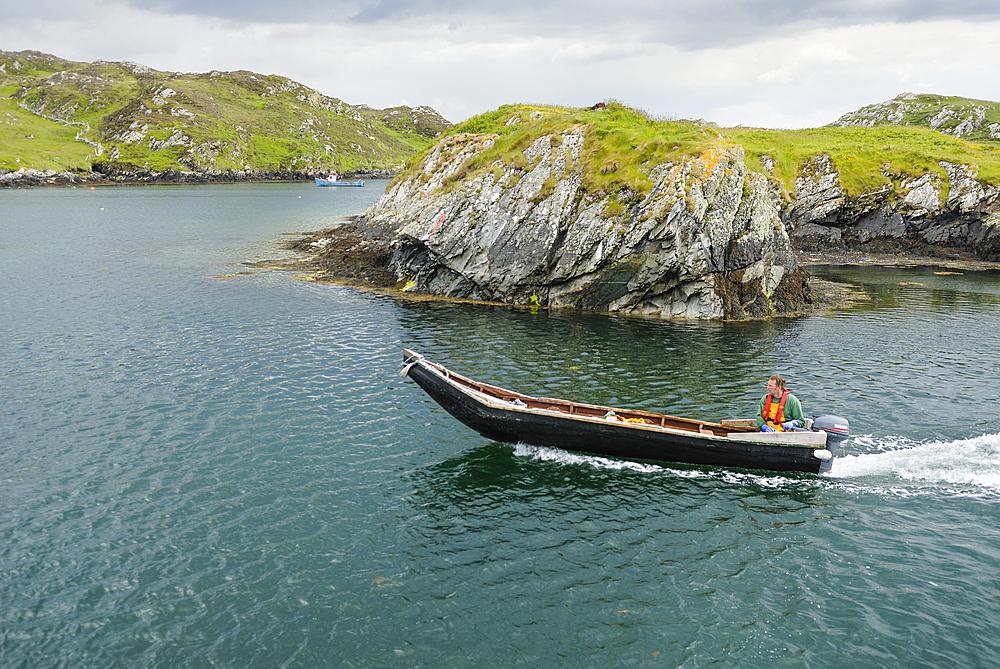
x=925, y=214
x=706, y=242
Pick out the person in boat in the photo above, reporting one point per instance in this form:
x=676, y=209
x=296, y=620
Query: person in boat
x=779, y=410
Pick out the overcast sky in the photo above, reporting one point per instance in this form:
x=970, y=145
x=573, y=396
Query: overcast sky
x=778, y=64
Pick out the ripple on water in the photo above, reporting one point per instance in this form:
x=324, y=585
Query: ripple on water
x=230, y=472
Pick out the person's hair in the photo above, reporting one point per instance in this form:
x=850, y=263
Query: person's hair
x=779, y=380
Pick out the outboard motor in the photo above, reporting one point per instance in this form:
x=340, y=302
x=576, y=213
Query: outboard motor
x=837, y=430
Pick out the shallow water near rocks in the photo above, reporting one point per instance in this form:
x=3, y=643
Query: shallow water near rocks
x=202, y=471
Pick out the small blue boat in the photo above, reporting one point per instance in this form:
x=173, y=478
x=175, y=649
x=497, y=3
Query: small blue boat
x=333, y=180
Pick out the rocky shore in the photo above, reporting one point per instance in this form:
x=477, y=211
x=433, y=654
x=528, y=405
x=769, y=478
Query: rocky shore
x=104, y=174
x=345, y=256
x=926, y=216
x=714, y=238
x=710, y=241
x=945, y=258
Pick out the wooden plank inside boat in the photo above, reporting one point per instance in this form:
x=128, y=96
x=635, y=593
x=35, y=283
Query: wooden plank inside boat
x=804, y=438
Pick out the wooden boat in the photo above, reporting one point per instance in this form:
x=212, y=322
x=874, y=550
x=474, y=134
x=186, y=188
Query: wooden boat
x=333, y=180
x=511, y=417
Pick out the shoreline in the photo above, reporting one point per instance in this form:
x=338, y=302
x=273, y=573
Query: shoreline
x=343, y=256
x=843, y=258
x=27, y=177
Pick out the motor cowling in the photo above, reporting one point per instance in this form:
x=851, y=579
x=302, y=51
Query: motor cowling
x=837, y=428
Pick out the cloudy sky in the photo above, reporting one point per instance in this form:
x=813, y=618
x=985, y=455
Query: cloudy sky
x=779, y=64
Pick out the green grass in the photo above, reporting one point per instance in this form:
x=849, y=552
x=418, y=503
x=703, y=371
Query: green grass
x=861, y=154
x=29, y=141
x=623, y=144
x=266, y=122
x=620, y=148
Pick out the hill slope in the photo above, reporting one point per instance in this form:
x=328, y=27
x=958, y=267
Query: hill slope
x=57, y=115
x=977, y=120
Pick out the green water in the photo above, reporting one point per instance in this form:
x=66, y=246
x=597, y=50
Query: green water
x=201, y=472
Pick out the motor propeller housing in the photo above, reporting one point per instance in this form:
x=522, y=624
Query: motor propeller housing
x=837, y=430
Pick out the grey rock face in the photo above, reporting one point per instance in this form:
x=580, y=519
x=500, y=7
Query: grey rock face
x=818, y=193
x=924, y=194
x=920, y=213
x=706, y=242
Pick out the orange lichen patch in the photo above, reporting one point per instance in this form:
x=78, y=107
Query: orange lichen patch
x=706, y=164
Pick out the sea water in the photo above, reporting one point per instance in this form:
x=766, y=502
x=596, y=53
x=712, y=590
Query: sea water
x=203, y=464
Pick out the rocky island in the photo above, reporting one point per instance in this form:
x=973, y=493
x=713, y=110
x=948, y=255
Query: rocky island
x=705, y=241
x=606, y=209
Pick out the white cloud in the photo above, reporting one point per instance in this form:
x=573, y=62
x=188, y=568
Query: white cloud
x=777, y=75
x=802, y=73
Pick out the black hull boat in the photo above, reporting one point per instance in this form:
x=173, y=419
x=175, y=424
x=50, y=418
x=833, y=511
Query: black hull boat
x=510, y=417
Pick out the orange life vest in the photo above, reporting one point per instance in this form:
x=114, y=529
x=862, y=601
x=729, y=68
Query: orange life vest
x=779, y=417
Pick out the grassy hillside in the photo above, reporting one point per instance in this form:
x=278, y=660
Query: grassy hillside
x=29, y=141
x=57, y=114
x=977, y=120
x=864, y=156
x=623, y=144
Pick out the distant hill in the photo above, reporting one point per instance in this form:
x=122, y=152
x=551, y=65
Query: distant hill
x=978, y=120
x=57, y=114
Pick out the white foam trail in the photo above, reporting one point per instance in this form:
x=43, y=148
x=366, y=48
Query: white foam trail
x=958, y=464
x=568, y=458
x=966, y=462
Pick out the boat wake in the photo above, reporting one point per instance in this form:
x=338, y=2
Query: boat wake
x=562, y=457
x=567, y=458
x=966, y=462
x=892, y=465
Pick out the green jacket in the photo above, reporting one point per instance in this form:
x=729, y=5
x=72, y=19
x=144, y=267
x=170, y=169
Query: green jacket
x=792, y=411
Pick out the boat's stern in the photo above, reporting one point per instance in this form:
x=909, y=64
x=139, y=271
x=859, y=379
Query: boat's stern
x=837, y=429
